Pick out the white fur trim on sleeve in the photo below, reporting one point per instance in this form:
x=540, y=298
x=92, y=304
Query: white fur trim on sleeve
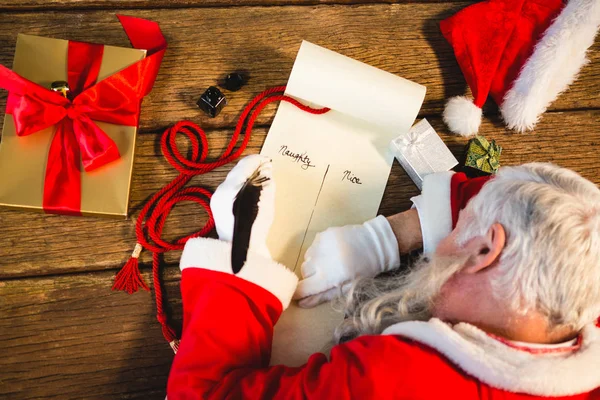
x=435, y=212
x=554, y=64
x=216, y=255
x=504, y=367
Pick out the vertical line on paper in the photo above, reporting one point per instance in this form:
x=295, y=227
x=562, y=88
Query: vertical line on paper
x=311, y=215
x=321, y=188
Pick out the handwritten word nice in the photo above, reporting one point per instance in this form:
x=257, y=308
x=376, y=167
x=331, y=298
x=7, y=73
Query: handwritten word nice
x=349, y=176
x=297, y=157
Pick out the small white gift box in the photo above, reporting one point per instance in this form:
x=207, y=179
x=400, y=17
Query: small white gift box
x=421, y=152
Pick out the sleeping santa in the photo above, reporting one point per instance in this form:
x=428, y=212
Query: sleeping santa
x=502, y=305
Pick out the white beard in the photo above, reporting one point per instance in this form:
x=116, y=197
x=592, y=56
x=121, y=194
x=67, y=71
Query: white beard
x=373, y=304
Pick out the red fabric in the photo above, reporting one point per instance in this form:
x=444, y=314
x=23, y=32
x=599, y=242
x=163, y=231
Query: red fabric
x=493, y=39
x=115, y=99
x=83, y=65
x=150, y=222
x=462, y=190
x=534, y=19
x=226, y=344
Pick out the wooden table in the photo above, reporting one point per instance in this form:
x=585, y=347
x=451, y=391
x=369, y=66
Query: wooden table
x=63, y=333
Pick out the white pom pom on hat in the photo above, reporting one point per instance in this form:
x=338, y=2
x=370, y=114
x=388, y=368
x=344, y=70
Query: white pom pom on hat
x=490, y=56
x=462, y=116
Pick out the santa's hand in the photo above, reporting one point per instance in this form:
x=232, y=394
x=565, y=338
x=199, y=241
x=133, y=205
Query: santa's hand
x=339, y=255
x=222, y=200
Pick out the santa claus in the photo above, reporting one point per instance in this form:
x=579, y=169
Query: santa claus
x=502, y=305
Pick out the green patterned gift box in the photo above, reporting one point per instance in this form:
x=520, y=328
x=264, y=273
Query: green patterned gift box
x=483, y=155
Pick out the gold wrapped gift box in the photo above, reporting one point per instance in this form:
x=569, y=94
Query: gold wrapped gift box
x=104, y=192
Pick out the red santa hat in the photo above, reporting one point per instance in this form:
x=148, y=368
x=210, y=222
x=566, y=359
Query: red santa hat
x=523, y=53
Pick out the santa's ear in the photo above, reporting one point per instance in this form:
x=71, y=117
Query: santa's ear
x=484, y=250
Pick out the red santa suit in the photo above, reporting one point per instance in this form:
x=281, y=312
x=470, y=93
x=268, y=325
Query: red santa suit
x=228, y=329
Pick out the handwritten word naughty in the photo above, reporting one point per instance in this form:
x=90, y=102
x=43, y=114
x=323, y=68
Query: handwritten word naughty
x=297, y=157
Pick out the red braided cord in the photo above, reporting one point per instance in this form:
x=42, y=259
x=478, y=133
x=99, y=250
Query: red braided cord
x=152, y=218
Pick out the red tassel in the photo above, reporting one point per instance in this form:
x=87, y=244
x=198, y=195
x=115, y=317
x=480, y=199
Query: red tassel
x=174, y=345
x=129, y=278
x=167, y=331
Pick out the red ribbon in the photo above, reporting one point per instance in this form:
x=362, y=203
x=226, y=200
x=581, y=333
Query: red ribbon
x=115, y=99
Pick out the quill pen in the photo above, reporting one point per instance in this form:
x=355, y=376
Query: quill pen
x=245, y=210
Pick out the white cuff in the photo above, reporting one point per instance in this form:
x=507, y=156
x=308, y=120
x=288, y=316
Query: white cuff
x=435, y=211
x=215, y=255
x=385, y=242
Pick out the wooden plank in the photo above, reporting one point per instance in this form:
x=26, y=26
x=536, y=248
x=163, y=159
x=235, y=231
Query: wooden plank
x=20, y=5
x=72, y=338
x=205, y=44
x=33, y=244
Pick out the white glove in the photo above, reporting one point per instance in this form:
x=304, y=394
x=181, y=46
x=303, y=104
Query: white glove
x=222, y=200
x=339, y=255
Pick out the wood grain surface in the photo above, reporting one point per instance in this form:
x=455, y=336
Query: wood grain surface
x=69, y=337
x=63, y=332
x=205, y=44
x=64, y=244
x=154, y=4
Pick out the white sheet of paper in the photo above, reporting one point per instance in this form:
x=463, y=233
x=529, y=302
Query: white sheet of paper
x=329, y=169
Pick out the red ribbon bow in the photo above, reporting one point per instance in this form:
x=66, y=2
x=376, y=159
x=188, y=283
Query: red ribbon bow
x=115, y=99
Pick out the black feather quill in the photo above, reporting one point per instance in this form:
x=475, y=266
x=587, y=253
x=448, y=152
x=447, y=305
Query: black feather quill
x=245, y=210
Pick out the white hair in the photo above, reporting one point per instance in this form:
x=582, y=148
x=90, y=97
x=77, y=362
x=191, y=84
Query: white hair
x=551, y=261
x=373, y=304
